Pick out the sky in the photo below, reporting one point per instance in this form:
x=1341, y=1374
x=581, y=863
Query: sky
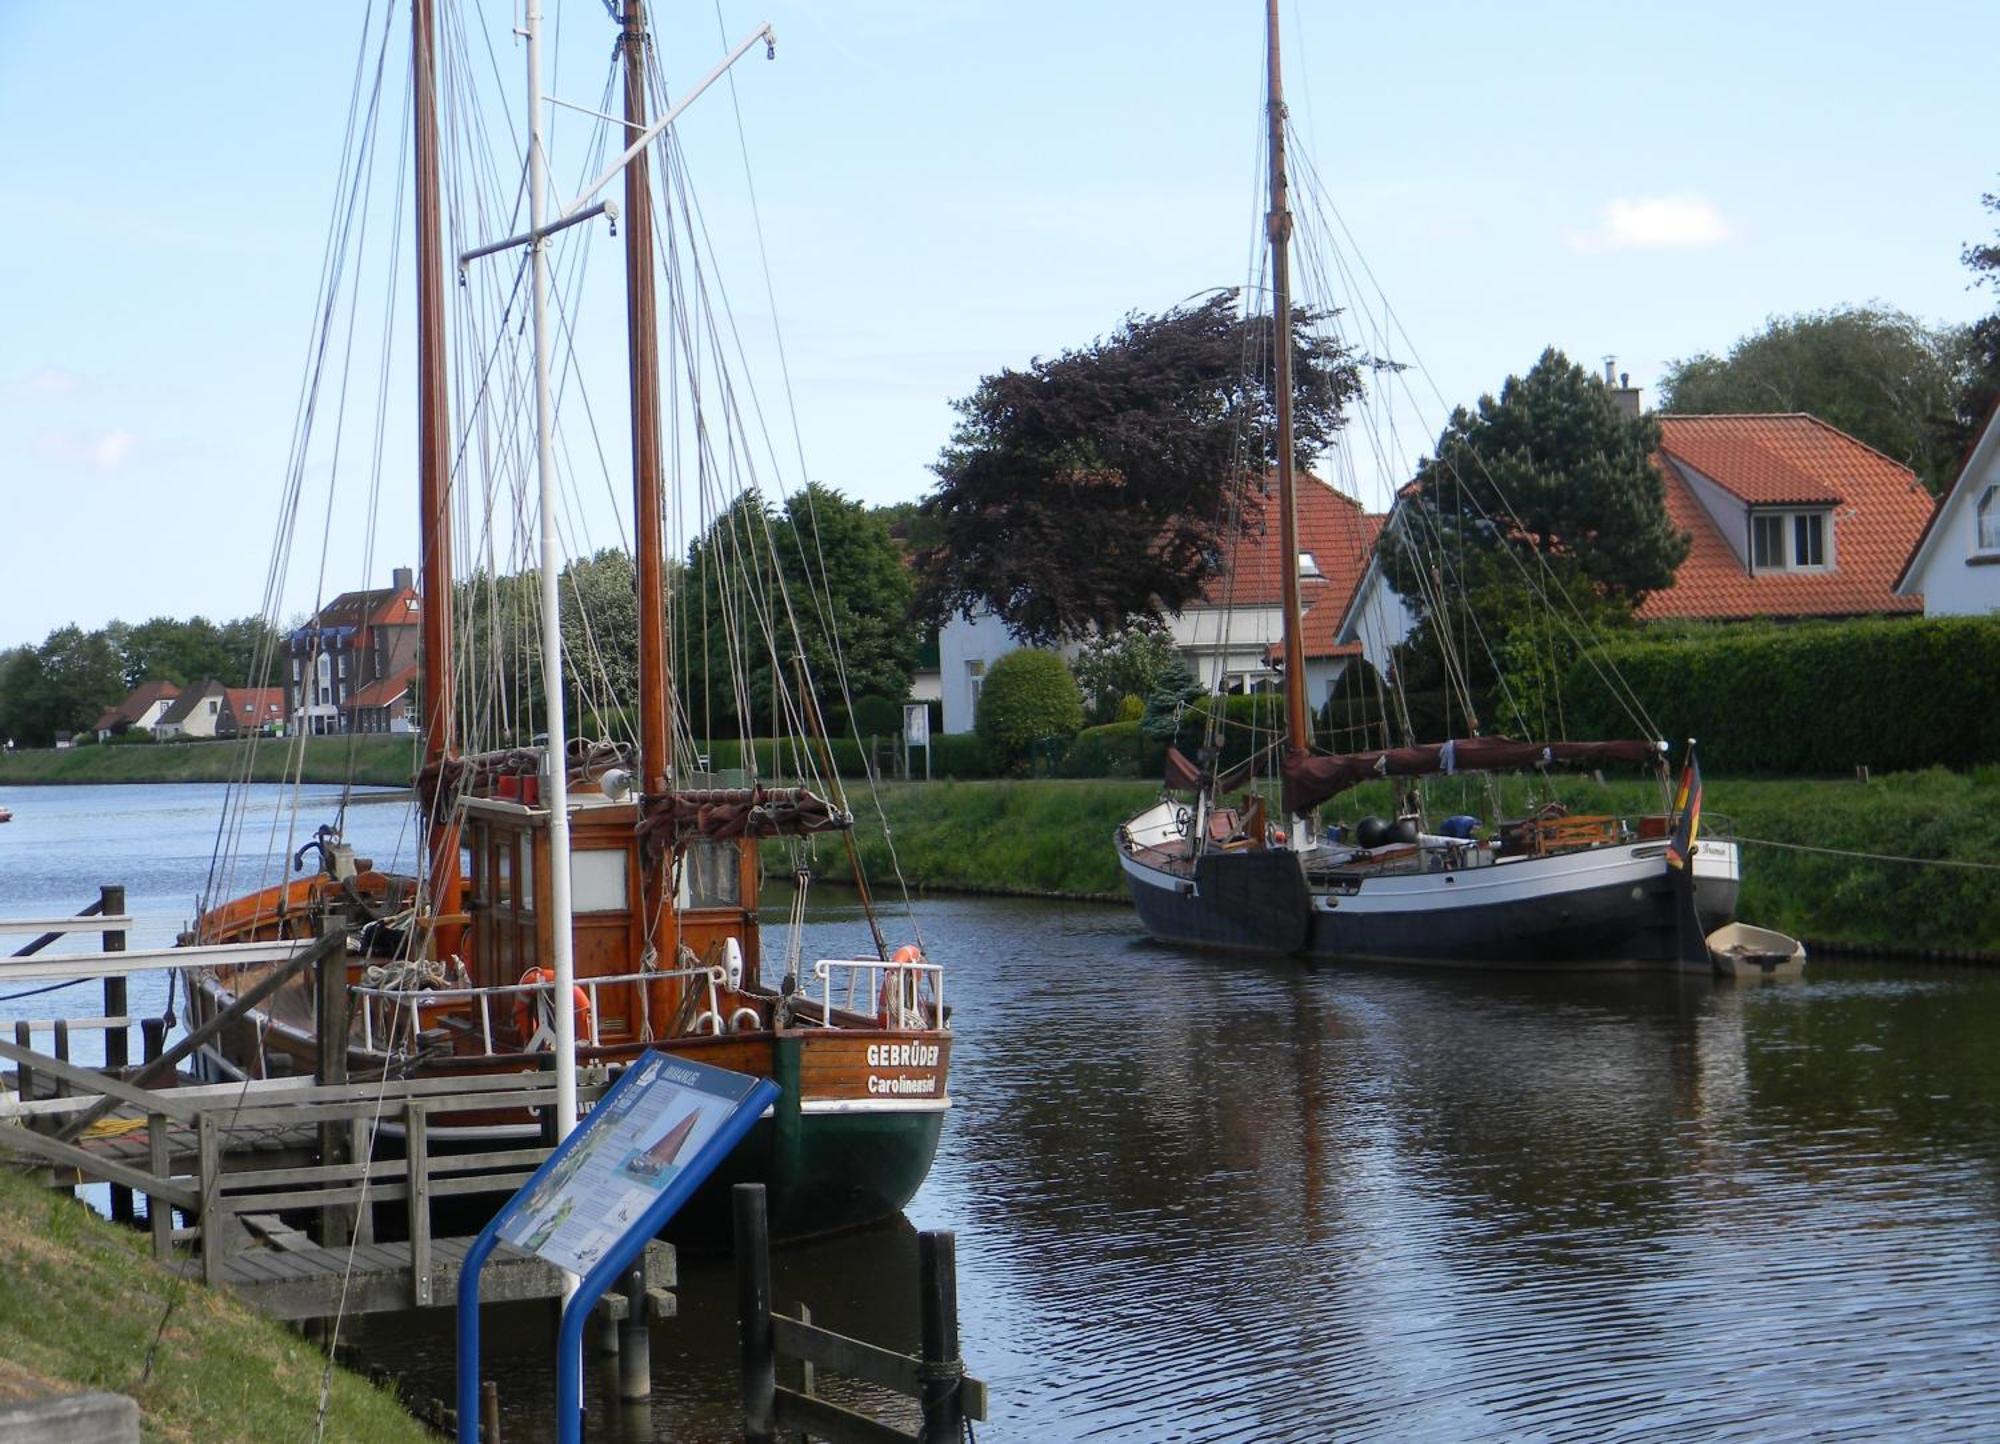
x=935, y=192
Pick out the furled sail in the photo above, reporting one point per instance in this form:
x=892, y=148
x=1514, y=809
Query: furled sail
x=723, y=813
x=1311, y=780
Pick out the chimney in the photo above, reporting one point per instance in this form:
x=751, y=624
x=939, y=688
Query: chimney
x=403, y=579
x=1623, y=393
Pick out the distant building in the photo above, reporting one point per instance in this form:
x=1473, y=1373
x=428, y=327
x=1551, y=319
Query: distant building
x=339, y=660
x=197, y=712
x=252, y=712
x=1230, y=637
x=139, y=712
x=1955, y=564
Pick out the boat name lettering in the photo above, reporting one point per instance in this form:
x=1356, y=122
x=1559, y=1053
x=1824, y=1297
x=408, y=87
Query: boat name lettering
x=902, y=1085
x=902, y=1055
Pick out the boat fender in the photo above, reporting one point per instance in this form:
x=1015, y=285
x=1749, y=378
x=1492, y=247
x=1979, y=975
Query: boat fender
x=527, y=1005
x=732, y=962
x=1403, y=830
x=1372, y=831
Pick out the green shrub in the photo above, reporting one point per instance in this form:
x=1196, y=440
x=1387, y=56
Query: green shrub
x=1117, y=749
x=1130, y=708
x=1815, y=698
x=1028, y=697
x=779, y=760
x=960, y=755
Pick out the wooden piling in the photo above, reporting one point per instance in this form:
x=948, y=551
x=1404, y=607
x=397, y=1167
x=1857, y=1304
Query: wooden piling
x=941, y=1368
x=111, y=903
x=753, y=1315
x=489, y=1412
x=24, y=1076
x=635, y=1341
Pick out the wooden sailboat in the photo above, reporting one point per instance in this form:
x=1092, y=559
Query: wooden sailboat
x=1549, y=891
x=588, y=903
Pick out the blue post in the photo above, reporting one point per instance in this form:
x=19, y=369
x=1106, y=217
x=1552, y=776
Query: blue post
x=468, y=1330
x=612, y=1267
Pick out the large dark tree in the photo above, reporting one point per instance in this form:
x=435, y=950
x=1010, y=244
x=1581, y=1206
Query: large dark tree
x=764, y=585
x=1544, y=498
x=1878, y=374
x=1103, y=484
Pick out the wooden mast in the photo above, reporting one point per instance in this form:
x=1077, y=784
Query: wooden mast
x=1298, y=734
x=434, y=481
x=649, y=535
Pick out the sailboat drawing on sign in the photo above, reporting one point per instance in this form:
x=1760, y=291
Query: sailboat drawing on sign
x=657, y=1164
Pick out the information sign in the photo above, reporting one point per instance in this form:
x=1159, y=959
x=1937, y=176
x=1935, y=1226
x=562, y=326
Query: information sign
x=610, y=1186
x=916, y=724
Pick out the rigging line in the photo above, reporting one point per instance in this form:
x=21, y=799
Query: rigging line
x=1618, y=687
x=1964, y=863
x=332, y=266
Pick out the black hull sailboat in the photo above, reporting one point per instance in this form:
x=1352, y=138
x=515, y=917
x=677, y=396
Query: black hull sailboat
x=1547, y=891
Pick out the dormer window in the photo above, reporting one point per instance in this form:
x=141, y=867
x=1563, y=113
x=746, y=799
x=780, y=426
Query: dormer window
x=1307, y=566
x=1987, y=538
x=1789, y=541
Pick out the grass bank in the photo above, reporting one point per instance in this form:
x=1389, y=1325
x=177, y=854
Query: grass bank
x=1054, y=837
x=385, y=761
x=81, y=1300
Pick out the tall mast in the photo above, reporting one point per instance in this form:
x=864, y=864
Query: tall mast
x=556, y=790
x=1297, y=734
x=649, y=536
x=433, y=476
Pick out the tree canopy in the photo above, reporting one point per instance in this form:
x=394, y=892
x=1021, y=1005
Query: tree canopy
x=833, y=563
x=1980, y=387
x=1103, y=484
x=1546, y=490
x=1877, y=373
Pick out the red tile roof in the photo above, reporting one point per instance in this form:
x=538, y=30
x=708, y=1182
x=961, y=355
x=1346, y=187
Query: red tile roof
x=254, y=706
x=1334, y=530
x=1879, y=508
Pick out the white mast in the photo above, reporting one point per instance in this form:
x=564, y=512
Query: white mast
x=556, y=784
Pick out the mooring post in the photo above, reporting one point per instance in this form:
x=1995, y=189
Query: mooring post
x=635, y=1341
x=336, y=1221
x=24, y=1076
x=489, y=1412
x=117, y=1048
x=753, y=1315
x=941, y=1369
x=152, y=1038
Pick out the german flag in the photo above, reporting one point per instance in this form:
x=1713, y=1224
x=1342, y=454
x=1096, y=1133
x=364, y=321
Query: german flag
x=1687, y=803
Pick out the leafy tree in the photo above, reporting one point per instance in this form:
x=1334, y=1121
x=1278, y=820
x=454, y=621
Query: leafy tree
x=1028, y=696
x=1126, y=663
x=1979, y=388
x=169, y=650
x=1877, y=373
x=1546, y=497
x=822, y=578
x=60, y=686
x=1102, y=485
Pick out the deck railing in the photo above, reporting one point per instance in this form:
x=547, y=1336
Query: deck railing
x=890, y=994
x=384, y=1007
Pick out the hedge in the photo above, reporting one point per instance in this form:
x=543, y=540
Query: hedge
x=1809, y=699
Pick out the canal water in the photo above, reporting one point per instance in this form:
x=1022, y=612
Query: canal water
x=1206, y=1200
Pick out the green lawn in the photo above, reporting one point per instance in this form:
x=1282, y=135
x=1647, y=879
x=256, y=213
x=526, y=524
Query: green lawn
x=387, y=761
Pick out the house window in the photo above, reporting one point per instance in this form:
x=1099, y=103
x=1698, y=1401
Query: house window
x=975, y=678
x=213, y=706
x=1767, y=542
x=1784, y=541
x=1308, y=567
x=1989, y=520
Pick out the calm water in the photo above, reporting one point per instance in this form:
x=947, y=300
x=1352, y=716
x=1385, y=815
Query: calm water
x=1203, y=1200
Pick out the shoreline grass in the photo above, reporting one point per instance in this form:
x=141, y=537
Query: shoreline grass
x=372, y=760
x=81, y=1300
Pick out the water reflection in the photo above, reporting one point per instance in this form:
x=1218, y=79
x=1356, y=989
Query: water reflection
x=1204, y=1199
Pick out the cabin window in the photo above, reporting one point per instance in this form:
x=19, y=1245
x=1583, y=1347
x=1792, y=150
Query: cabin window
x=503, y=871
x=1989, y=520
x=710, y=875
x=597, y=880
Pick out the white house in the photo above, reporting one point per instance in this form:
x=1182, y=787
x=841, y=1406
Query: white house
x=197, y=712
x=139, y=712
x=1231, y=638
x=1955, y=565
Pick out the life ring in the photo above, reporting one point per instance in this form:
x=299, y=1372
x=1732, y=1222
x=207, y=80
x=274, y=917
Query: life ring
x=904, y=990
x=527, y=1005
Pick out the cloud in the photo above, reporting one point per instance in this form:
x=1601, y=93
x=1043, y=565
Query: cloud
x=50, y=383
x=104, y=452
x=1653, y=223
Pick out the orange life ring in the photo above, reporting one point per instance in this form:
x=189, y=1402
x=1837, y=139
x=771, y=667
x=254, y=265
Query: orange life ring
x=526, y=1016
x=914, y=987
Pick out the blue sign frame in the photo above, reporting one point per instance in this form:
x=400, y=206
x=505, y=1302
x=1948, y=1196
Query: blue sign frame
x=747, y=1097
